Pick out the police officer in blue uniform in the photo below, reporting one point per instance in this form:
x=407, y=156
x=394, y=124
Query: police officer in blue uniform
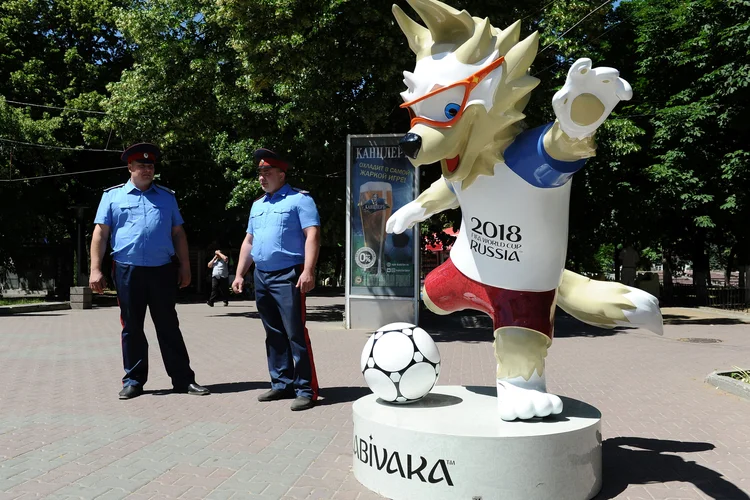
x=150, y=254
x=283, y=239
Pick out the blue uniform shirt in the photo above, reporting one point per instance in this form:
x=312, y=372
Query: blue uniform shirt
x=276, y=223
x=140, y=223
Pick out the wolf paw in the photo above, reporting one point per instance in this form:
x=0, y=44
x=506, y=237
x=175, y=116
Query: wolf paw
x=588, y=97
x=405, y=217
x=519, y=403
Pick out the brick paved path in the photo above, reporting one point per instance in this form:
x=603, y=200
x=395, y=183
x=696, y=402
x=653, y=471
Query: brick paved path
x=64, y=434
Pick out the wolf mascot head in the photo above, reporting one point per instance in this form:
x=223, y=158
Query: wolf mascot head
x=470, y=74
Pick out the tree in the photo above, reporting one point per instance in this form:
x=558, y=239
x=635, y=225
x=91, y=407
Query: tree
x=693, y=67
x=58, y=54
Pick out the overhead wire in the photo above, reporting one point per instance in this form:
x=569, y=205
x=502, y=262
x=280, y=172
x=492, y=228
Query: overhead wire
x=78, y=110
x=60, y=175
x=574, y=26
x=65, y=148
x=610, y=28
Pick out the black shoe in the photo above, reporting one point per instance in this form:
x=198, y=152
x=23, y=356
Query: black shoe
x=275, y=394
x=193, y=389
x=302, y=403
x=226, y=303
x=210, y=304
x=131, y=391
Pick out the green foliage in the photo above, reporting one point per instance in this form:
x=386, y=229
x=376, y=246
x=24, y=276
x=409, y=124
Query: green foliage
x=692, y=90
x=60, y=54
x=741, y=375
x=211, y=81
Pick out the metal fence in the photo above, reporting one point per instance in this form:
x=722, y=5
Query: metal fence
x=720, y=297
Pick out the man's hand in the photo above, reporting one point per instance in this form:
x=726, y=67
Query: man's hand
x=97, y=281
x=306, y=281
x=238, y=284
x=183, y=276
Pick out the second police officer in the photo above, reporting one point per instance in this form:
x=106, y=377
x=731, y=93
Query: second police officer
x=283, y=239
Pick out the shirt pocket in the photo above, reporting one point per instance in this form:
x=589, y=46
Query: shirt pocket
x=281, y=217
x=258, y=220
x=130, y=212
x=286, y=236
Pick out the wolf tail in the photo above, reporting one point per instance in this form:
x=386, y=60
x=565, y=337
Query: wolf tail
x=608, y=304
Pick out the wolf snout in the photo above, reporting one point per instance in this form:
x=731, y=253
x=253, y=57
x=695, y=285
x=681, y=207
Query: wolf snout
x=410, y=145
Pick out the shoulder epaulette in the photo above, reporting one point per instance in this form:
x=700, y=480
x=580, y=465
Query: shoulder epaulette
x=164, y=188
x=301, y=190
x=114, y=187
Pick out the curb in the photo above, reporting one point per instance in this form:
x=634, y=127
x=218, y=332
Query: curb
x=722, y=381
x=40, y=307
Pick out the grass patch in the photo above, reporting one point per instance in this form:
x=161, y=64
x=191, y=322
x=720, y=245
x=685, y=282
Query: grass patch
x=20, y=300
x=741, y=375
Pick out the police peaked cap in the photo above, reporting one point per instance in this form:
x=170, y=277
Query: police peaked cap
x=143, y=152
x=267, y=158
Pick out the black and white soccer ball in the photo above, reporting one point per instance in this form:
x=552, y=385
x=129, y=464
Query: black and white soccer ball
x=401, y=363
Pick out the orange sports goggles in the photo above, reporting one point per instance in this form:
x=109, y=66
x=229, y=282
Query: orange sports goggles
x=444, y=106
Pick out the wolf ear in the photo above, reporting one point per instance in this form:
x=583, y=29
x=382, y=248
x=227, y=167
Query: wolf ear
x=479, y=46
x=418, y=36
x=519, y=58
x=508, y=37
x=446, y=24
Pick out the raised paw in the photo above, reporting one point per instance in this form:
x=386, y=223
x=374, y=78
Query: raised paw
x=519, y=403
x=588, y=97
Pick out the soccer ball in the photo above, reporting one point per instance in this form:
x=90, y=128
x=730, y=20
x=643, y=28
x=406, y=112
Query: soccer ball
x=401, y=363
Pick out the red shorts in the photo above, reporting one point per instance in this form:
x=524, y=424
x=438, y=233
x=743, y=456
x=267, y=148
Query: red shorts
x=451, y=291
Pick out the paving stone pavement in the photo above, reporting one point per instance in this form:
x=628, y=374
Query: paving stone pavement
x=64, y=434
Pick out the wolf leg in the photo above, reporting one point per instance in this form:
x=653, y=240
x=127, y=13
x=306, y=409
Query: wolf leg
x=447, y=290
x=521, y=383
x=608, y=304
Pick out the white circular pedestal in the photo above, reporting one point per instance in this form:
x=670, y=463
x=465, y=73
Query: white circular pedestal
x=452, y=445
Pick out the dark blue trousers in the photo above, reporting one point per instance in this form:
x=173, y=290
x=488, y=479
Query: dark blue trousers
x=282, y=310
x=155, y=287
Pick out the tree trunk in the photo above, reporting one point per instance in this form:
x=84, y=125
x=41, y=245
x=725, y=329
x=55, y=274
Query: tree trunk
x=743, y=270
x=617, y=264
x=701, y=271
x=340, y=274
x=728, y=270
x=667, y=274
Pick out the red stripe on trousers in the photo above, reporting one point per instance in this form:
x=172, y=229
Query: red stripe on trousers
x=314, y=377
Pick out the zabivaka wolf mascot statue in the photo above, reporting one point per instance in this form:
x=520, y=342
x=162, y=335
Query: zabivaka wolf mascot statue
x=466, y=98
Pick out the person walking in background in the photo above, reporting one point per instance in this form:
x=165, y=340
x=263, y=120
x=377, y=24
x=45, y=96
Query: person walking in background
x=150, y=260
x=219, y=266
x=283, y=239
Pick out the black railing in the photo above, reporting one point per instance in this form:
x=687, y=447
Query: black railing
x=720, y=297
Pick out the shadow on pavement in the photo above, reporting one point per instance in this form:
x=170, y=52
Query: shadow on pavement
x=462, y=326
x=472, y=326
x=326, y=314
x=624, y=466
x=337, y=395
x=678, y=319
x=567, y=326
x=36, y=314
x=230, y=387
